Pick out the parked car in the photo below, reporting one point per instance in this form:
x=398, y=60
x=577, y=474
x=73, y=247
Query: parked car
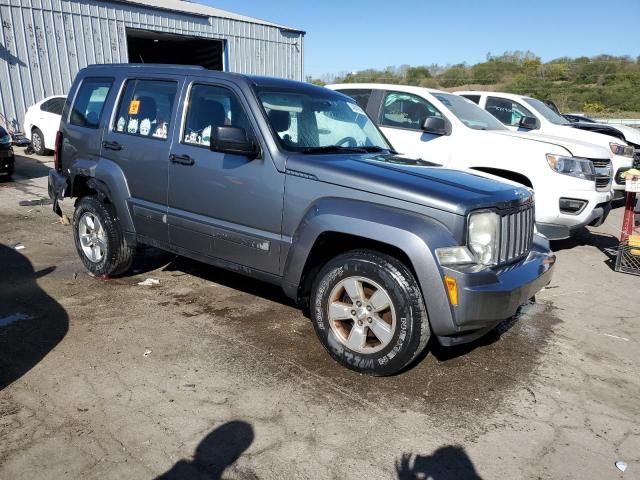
x=526, y=114
x=41, y=123
x=571, y=179
x=293, y=184
x=7, y=159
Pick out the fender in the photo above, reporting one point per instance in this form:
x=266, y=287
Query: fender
x=417, y=236
x=108, y=179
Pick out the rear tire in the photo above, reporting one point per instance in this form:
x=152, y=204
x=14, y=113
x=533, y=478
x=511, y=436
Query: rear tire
x=378, y=288
x=99, y=238
x=37, y=142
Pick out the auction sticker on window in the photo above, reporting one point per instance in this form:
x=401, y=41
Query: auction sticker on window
x=134, y=106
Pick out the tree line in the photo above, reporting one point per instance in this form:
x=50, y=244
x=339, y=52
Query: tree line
x=594, y=85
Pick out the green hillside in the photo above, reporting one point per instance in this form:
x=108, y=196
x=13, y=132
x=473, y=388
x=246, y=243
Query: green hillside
x=604, y=85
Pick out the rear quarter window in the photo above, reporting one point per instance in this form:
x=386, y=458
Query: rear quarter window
x=360, y=96
x=474, y=98
x=145, y=108
x=89, y=102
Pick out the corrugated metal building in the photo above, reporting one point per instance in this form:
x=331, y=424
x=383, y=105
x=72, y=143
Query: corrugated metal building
x=45, y=42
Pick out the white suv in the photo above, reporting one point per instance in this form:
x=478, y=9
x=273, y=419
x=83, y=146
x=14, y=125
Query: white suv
x=572, y=179
x=526, y=114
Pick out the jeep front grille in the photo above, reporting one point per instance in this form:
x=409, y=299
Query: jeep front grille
x=516, y=234
x=603, y=173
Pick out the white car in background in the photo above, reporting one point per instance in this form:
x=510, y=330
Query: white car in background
x=525, y=114
x=41, y=123
x=571, y=179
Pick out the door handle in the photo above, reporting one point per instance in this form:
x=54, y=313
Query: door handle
x=181, y=159
x=112, y=145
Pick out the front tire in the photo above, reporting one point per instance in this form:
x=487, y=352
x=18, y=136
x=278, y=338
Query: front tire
x=368, y=311
x=37, y=142
x=99, y=239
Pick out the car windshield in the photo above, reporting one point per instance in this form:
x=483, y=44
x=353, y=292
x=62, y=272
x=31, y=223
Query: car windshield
x=469, y=113
x=319, y=122
x=544, y=110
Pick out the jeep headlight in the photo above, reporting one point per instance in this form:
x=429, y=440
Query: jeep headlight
x=623, y=150
x=574, y=167
x=483, y=237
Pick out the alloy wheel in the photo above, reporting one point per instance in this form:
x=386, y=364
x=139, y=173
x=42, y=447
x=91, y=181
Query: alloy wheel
x=92, y=237
x=362, y=315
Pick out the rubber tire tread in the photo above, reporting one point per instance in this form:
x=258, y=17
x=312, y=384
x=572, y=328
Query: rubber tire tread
x=119, y=253
x=406, y=281
x=43, y=149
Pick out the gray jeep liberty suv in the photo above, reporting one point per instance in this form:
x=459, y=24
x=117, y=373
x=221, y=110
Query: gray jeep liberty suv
x=293, y=184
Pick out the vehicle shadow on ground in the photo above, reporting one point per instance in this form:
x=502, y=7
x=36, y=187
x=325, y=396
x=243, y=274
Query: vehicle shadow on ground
x=31, y=322
x=606, y=243
x=446, y=463
x=442, y=353
x=229, y=279
x=26, y=169
x=215, y=453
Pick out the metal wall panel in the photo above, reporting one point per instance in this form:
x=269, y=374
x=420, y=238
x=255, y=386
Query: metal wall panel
x=43, y=44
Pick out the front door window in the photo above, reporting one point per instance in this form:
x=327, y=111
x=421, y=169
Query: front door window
x=404, y=110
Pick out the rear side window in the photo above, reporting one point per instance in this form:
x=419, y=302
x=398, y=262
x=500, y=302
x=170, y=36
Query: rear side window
x=360, y=96
x=89, y=103
x=507, y=111
x=145, y=108
x=474, y=98
x=53, y=105
x=210, y=107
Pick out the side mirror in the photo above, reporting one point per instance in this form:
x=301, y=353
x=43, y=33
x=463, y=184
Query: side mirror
x=436, y=125
x=529, y=123
x=233, y=140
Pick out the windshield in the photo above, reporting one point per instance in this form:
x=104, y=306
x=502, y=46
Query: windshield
x=319, y=123
x=469, y=113
x=544, y=110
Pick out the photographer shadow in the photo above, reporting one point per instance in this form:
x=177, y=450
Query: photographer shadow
x=31, y=322
x=446, y=463
x=215, y=453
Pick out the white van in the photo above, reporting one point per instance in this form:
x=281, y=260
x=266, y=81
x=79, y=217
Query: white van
x=526, y=114
x=571, y=179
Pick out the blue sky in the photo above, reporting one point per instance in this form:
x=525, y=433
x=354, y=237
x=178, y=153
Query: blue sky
x=350, y=35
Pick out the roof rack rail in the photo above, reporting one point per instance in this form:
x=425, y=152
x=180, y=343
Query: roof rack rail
x=147, y=65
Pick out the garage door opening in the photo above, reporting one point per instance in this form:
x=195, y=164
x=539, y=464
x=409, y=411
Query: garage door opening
x=145, y=46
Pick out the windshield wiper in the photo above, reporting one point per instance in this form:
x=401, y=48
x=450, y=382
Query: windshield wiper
x=333, y=148
x=375, y=149
x=340, y=148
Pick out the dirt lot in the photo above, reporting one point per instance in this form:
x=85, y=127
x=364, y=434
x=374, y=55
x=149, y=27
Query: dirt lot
x=211, y=375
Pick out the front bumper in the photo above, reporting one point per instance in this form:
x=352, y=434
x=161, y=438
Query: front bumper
x=57, y=186
x=492, y=295
x=7, y=160
x=619, y=164
x=594, y=218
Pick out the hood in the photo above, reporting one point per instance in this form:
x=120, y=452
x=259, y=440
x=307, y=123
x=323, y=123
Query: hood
x=631, y=135
x=577, y=148
x=415, y=181
x=573, y=133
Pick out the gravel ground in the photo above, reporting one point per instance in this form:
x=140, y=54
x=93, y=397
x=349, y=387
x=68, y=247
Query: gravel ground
x=212, y=375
